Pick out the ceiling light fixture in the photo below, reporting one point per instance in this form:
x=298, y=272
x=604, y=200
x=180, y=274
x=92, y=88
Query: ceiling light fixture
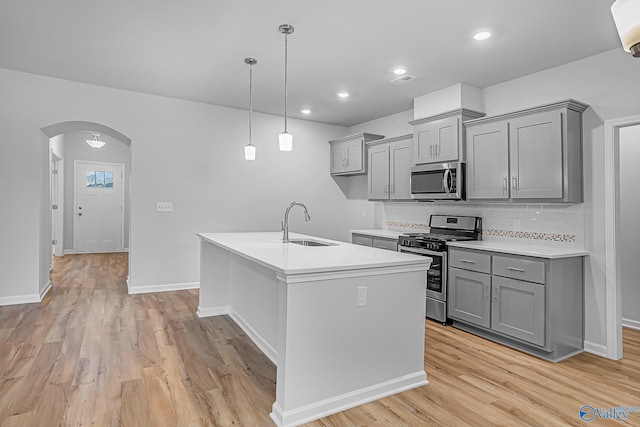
x=305, y=111
x=95, y=142
x=399, y=71
x=285, y=138
x=626, y=15
x=482, y=35
x=343, y=94
x=250, y=149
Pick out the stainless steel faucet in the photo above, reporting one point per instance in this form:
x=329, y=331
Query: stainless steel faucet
x=285, y=223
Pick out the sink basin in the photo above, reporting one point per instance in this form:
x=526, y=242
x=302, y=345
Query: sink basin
x=310, y=242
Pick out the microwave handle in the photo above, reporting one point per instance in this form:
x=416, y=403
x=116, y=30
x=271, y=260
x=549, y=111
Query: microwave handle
x=445, y=181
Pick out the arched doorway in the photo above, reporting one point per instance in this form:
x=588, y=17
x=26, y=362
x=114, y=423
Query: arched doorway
x=72, y=135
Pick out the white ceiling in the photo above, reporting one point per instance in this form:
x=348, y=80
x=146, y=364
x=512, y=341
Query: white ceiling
x=195, y=49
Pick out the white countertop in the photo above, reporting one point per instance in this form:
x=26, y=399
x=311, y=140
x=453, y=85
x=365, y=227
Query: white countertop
x=387, y=234
x=533, y=250
x=268, y=250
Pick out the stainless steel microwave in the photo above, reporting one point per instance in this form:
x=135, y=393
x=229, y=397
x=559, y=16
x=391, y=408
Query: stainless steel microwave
x=441, y=181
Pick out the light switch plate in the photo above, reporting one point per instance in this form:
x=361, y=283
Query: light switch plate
x=164, y=206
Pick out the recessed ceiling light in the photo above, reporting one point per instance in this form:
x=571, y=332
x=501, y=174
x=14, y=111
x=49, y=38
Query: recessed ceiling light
x=482, y=35
x=343, y=94
x=305, y=111
x=399, y=71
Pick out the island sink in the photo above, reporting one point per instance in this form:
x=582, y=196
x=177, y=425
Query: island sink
x=310, y=243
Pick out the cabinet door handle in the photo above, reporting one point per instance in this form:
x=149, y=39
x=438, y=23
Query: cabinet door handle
x=486, y=291
x=495, y=293
x=519, y=270
x=391, y=190
x=505, y=184
x=514, y=182
x=386, y=189
x=468, y=261
x=431, y=151
x=436, y=150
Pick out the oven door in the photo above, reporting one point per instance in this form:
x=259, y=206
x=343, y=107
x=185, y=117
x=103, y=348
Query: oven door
x=437, y=273
x=438, y=182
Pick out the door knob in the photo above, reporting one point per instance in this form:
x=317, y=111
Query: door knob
x=80, y=214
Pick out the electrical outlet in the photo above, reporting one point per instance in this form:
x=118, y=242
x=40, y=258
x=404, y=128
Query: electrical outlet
x=361, y=301
x=164, y=206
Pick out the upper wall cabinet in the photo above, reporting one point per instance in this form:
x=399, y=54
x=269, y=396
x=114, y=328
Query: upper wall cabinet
x=528, y=155
x=348, y=155
x=389, y=174
x=440, y=138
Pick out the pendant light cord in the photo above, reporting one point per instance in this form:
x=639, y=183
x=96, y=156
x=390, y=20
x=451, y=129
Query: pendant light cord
x=285, y=81
x=250, y=99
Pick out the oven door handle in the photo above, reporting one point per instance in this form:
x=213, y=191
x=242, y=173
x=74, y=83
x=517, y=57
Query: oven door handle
x=446, y=181
x=419, y=251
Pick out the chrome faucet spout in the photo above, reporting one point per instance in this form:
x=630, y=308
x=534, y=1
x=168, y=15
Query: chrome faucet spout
x=285, y=223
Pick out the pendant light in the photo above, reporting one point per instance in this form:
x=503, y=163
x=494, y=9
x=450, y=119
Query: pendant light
x=95, y=142
x=250, y=149
x=626, y=15
x=285, y=138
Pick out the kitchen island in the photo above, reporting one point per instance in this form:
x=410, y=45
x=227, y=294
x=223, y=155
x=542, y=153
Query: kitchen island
x=344, y=324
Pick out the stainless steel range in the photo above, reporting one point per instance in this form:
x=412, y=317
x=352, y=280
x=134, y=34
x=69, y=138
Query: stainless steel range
x=444, y=228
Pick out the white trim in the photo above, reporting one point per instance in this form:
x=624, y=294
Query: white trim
x=75, y=199
x=161, y=288
x=45, y=290
x=633, y=324
x=613, y=291
x=213, y=311
x=74, y=252
x=345, y=401
x=20, y=299
x=262, y=344
x=597, y=349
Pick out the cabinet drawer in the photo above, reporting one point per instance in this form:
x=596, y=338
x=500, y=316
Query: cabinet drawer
x=474, y=261
x=519, y=268
x=391, y=245
x=358, y=239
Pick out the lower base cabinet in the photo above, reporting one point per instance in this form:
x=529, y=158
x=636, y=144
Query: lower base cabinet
x=532, y=304
x=374, y=242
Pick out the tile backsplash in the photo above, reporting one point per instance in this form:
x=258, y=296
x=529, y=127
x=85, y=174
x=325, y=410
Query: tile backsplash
x=545, y=224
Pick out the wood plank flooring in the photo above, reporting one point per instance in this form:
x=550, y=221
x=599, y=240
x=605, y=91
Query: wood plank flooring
x=90, y=354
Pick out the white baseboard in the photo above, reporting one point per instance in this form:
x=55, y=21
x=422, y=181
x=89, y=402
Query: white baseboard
x=323, y=408
x=20, y=299
x=161, y=288
x=213, y=311
x=597, y=349
x=45, y=290
x=263, y=345
x=633, y=324
x=73, y=252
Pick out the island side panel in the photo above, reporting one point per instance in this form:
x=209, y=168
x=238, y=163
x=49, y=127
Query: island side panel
x=333, y=354
x=215, y=280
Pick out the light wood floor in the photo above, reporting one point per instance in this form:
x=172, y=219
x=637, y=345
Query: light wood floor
x=92, y=355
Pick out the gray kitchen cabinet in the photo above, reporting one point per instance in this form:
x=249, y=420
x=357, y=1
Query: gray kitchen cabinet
x=348, y=154
x=528, y=155
x=518, y=309
x=488, y=161
x=529, y=303
x=440, y=138
x=469, y=296
x=390, y=161
x=374, y=242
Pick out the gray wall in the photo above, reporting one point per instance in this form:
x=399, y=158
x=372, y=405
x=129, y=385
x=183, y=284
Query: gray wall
x=75, y=148
x=630, y=224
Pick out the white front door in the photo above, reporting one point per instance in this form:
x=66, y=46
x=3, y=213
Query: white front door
x=99, y=207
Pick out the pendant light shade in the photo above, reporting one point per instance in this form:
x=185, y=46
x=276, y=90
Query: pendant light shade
x=626, y=15
x=96, y=142
x=285, y=139
x=250, y=149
